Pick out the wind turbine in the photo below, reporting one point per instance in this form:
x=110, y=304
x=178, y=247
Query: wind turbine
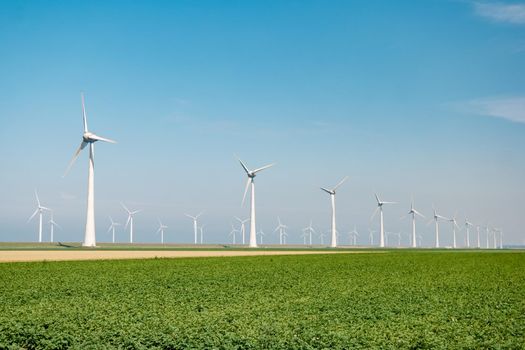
x=194, y=218
x=436, y=218
x=261, y=235
x=468, y=224
x=232, y=233
x=201, y=229
x=251, y=175
x=379, y=208
x=243, y=228
x=494, y=231
x=281, y=228
x=414, y=212
x=130, y=221
x=309, y=230
x=321, y=237
x=454, y=226
x=39, y=210
x=353, y=236
x=88, y=138
x=161, y=230
x=487, y=236
x=112, y=227
x=304, y=235
x=331, y=192
x=371, y=236
x=52, y=225
x=479, y=242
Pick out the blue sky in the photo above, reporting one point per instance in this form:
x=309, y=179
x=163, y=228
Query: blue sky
x=408, y=98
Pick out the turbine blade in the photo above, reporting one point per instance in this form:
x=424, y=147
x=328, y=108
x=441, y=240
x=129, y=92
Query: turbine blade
x=245, y=191
x=100, y=138
x=84, y=116
x=109, y=229
x=340, y=183
x=377, y=198
x=127, y=222
x=125, y=208
x=418, y=213
x=37, y=199
x=374, y=214
x=75, y=156
x=243, y=166
x=32, y=216
x=327, y=191
x=262, y=168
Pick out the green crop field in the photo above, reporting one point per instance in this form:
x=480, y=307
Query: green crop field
x=395, y=300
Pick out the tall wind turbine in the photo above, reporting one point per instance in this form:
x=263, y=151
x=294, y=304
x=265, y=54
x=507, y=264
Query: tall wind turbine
x=243, y=228
x=414, y=212
x=194, y=218
x=454, y=226
x=39, y=210
x=379, y=208
x=436, y=219
x=160, y=230
x=88, y=138
x=52, y=225
x=130, y=221
x=468, y=224
x=331, y=192
x=112, y=228
x=251, y=175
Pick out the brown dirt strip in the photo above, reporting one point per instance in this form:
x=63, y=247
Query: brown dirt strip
x=24, y=255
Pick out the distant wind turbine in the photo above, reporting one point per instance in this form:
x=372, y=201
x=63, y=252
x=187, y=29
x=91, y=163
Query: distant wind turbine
x=487, y=235
x=379, y=208
x=309, y=231
x=371, y=236
x=251, y=175
x=130, y=221
x=161, y=231
x=479, y=242
x=454, y=226
x=353, y=236
x=39, y=210
x=243, y=228
x=88, y=138
x=281, y=228
x=232, y=233
x=436, y=219
x=112, y=228
x=413, y=212
x=321, y=237
x=331, y=192
x=468, y=224
x=195, y=229
x=52, y=225
x=201, y=231
x=261, y=235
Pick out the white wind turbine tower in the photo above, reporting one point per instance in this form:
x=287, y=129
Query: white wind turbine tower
x=232, y=233
x=130, y=221
x=494, y=231
x=243, y=228
x=161, y=231
x=195, y=230
x=309, y=230
x=201, y=231
x=304, y=235
x=479, y=242
x=39, y=210
x=281, y=228
x=331, y=192
x=487, y=235
x=251, y=175
x=436, y=219
x=52, y=225
x=414, y=212
x=454, y=226
x=88, y=138
x=379, y=208
x=468, y=224
x=112, y=228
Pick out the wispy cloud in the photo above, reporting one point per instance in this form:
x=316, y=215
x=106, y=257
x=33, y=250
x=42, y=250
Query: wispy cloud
x=501, y=12
x=510, y=108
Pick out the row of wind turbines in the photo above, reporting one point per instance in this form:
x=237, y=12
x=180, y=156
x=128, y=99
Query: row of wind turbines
x=89, y=139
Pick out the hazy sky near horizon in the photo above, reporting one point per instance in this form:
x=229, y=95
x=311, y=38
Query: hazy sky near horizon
x=407, y=98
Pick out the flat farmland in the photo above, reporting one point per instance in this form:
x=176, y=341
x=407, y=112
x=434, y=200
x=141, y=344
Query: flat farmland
x=396, y=300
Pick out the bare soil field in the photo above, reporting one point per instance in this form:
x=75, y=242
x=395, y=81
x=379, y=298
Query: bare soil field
x=60, y=255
